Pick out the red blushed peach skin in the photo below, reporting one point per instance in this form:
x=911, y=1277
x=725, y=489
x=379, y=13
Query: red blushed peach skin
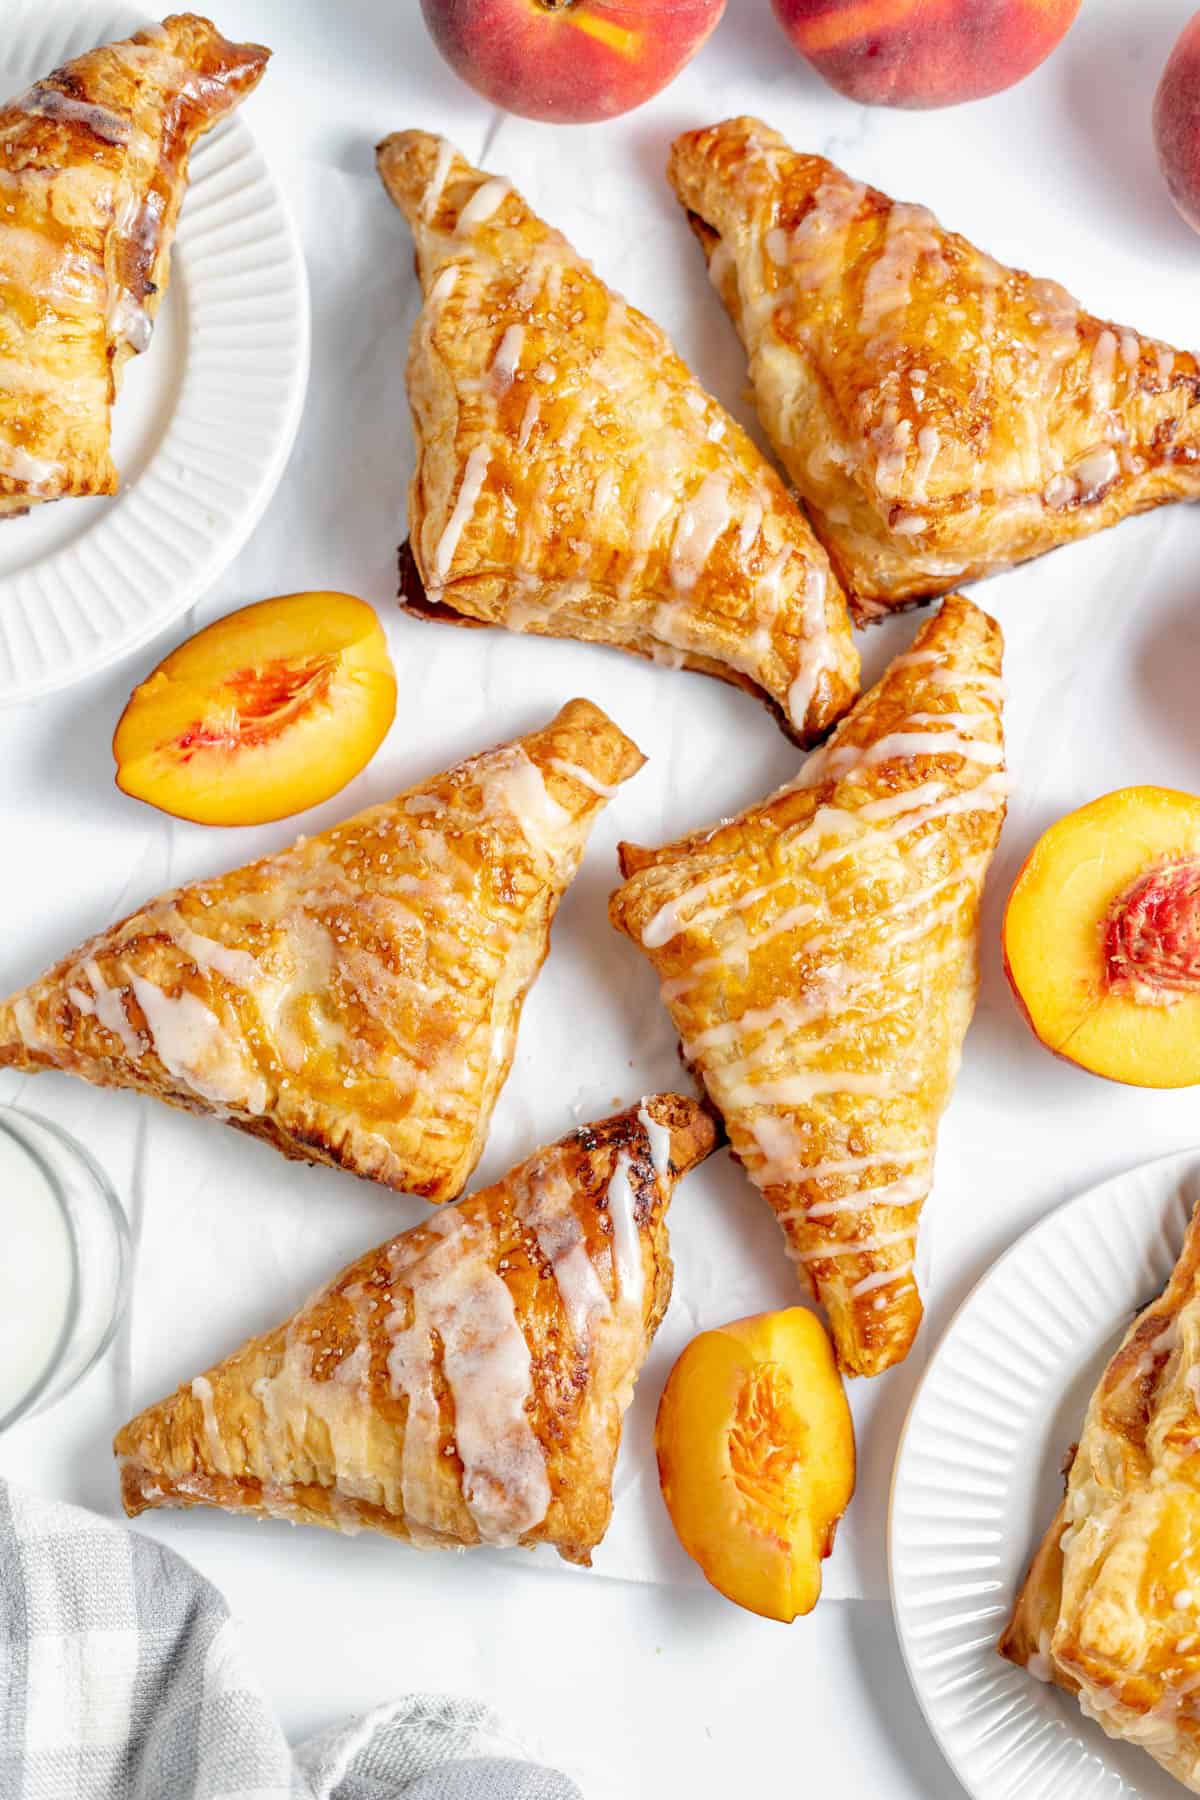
x=1177, y=123
x=569, y=61
x=266, y=712
x=924, y=52
x=1102, y=937
x=756, y=1458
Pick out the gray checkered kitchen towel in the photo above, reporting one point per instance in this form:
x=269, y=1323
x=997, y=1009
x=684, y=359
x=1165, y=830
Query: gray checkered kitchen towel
x=121, y=1679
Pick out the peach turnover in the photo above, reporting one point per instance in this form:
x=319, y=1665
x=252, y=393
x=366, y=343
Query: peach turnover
x=264, y=713
x=756, y=1458
x=1102, y=937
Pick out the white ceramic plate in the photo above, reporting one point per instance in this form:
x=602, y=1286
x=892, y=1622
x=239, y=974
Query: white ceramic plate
x=978, y=1478
x=205, y=419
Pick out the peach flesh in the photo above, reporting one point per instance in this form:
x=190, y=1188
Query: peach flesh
x=1152, y=935
x=756, y=1458
x=1101, y=937
x=266, y=712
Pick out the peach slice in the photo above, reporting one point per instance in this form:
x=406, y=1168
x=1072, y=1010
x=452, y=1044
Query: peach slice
x=266, y=712
x=756, y=1458
x=1102, y=937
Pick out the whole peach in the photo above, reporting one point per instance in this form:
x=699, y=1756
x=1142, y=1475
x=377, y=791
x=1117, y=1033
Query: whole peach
x=1177, y=122
x=570, y=61
x=924, y=52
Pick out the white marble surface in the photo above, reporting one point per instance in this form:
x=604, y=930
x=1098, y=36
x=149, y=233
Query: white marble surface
x=638, y=1689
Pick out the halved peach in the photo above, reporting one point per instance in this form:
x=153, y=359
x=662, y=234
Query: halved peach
x=268, y=711
x=1102, y=937
x=756, y=1458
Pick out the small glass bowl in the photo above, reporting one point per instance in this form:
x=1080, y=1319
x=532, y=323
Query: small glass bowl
x=65, y=1276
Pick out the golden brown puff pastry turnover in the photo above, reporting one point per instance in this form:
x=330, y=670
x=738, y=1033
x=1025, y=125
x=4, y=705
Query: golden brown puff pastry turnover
x=942, y=416
x=463, y=1384
x=818, y=957
x=574, y=479
x=355, y=999
x=1110, y=1609
x=93, y=164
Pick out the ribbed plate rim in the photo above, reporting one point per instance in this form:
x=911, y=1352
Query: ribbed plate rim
x=1146, y=1206
x=63, y=617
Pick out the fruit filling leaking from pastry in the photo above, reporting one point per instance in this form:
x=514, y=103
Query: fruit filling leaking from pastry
x=463, y=1384
x=1102, y=937
x=353, y=1000
x=818, y=956
x=573, y=478
x=93, y=166
x=1110, y=1608
x=941, y=415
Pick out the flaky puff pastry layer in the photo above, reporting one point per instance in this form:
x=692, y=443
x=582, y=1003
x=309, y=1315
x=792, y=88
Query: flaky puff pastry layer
x=355, y=999
x=1110, y=1609
x=465, y=1383
x=93, y=166
x=574, y=479
x=818, y=957
x=943, y=416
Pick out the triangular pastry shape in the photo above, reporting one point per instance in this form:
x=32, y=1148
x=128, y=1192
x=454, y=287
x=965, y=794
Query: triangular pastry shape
x=355, y=999
x=942, y=416
x=574, y=479
x=465, y=1383
x=93, y=165
x=818, y=957
x=1110, y=1609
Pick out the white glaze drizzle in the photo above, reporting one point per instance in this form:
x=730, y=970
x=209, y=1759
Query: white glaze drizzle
x=584, y=777
x=702, y=521
x=513, y=783
x=110, y=1010
x=470, y=488
x=194, y=1047
x=237, y=966
x=930, y=743
x=890, y=806
x=908, y=1190
x=881, y=1240
x=488, y=197
x=881, y=1278
x=217, y=1449
x=546, y=1204
x=626, y=1238
x=659, y=1139
x=457, y=1294
x=800, y=1088
x=437, y=181
x=36, y=473
x=507, y=359
x=529, y=419
x=668, y=921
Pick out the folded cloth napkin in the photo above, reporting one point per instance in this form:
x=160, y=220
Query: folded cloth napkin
x=121, y=1678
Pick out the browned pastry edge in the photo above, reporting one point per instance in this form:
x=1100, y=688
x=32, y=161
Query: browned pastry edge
x=413, y=599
